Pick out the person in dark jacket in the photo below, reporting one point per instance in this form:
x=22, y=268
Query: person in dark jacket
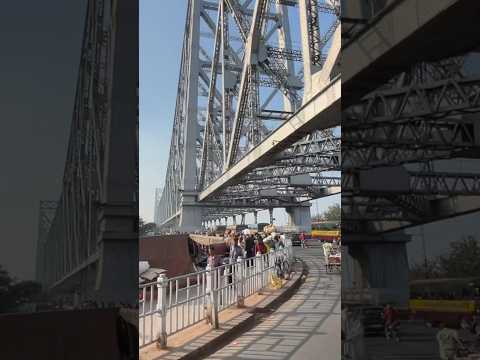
x=250, y=247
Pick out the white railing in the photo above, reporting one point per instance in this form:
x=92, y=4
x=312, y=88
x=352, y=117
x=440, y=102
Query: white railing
x=167, y=306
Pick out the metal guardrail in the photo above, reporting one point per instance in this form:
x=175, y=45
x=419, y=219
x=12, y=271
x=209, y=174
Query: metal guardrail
x=168, y=306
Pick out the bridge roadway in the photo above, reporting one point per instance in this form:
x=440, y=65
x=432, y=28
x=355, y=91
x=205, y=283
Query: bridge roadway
x=305, y=327
x=417, y=342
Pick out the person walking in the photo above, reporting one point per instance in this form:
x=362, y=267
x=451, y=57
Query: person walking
x=241, y=243
x=448, y=342
x=475, y=324
x=250, y=249
x=260, y=248
x=390, y=317
x=302, y=239
x=212, y=260
x=354, y=334
x=235, y=250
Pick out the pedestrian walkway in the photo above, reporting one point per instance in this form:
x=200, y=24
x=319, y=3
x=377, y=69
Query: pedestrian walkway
x=307, y=326
x=417, y=343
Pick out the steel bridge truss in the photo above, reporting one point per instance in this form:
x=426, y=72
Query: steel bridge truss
x=238, y=83
x=414, y=127
x=75, y=242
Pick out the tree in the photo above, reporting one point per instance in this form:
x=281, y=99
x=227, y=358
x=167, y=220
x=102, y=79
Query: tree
x=333, y=213
x=25, y=291
x=463, y=259
x=428, y=269
x=15, y=293
x=145, y=228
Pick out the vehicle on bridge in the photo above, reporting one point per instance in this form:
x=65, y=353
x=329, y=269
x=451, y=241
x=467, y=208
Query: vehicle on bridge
x=220, y=230
x=326, y=230
x=237, y=228
x=261, y=226
x=444, y=299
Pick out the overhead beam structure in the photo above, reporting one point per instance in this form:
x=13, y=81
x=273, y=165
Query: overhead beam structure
x=402, y=27
x=240, y=115
x=411, y=111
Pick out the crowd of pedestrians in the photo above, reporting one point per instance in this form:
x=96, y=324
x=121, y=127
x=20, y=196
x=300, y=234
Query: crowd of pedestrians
x=453, y=341
x=246, y=245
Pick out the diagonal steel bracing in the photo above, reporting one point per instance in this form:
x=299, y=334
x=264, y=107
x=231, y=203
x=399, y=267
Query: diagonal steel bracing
x=87, y=243
x=239, y=114
x=420, y=122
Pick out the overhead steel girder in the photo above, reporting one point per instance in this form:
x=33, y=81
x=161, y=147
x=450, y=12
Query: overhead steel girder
x=374, y=157
x=271, y=181
x=443, y=183
x=440, y=209
x=286, y=54
x=252, y=59
x=441, y=134
x=220, y=213
x=274, y=197
x=244, y=27
x=256, y=189
x=373, y=208
x=384, y=38
x=321, y=112
x=260, y=203
x=432, y=117
x=288, y=171
x=267, y=190
x=209, y=132
x=427, y=101
x=423, y=183
x=308, y=147
x=214, y=131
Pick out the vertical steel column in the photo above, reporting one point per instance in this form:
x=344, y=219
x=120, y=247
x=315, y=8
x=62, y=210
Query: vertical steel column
x=190, y=214
x=285, y=41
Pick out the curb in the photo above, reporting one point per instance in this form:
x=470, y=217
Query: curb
x=267, y=306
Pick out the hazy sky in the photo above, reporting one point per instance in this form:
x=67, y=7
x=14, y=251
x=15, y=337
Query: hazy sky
x=161, y=35
x=39, y=62
x=437, y=236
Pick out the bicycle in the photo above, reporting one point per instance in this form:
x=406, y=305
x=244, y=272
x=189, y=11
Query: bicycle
x=282, y=267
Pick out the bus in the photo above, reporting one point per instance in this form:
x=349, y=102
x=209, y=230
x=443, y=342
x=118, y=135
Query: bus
x=260, y=226
x=220, y=230
x=444, y=299
x=237, y=228
x=326, y=230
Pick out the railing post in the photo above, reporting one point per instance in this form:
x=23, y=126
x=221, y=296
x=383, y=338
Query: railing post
x=258, y=272
x=225, y=298
x=261, y=269
x=271, y=265
x=240, y=282
x=213, y=296
x=162, y=310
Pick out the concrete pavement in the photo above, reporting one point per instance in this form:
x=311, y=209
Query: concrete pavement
x=417, y=342
x=305, y=327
